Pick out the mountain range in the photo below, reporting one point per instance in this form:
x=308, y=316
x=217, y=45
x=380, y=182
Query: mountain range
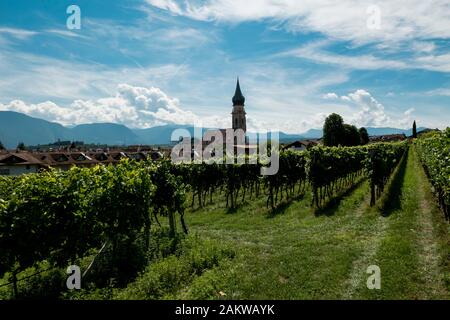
x=17, y=127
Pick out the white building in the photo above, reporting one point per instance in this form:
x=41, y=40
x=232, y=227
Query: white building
x=17, y=163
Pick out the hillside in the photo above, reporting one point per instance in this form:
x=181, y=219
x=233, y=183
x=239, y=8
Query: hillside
x=108, y=133
x=16, y=127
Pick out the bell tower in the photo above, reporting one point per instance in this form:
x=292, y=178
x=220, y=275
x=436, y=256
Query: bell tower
x=238, y=114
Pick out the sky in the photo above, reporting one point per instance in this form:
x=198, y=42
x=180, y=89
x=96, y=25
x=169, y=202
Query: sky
x=144, y=63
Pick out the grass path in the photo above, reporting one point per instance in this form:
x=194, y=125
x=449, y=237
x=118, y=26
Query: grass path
x=296, y=254
x=358, y=278
x=408, y=255
x=432, y=233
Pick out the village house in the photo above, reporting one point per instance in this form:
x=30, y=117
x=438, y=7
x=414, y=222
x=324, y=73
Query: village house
x=388, y=138
x=21, y=162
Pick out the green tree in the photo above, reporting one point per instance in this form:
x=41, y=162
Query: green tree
x=1, y=146
x=333, y=130
x=363, y=136
x=21, y=146
x=414, y=129
x=351, y=136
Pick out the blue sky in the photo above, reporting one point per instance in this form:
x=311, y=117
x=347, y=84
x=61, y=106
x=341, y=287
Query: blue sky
x=145, y=63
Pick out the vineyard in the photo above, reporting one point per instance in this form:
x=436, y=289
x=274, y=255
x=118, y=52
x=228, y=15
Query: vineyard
x=146, y=230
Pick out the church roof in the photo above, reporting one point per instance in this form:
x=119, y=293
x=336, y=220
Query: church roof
x=238, y=98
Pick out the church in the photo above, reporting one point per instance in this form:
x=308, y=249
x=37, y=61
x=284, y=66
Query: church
x=231, y=141
x=236, y=135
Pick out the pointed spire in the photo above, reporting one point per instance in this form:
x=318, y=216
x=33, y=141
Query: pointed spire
x=238, y=99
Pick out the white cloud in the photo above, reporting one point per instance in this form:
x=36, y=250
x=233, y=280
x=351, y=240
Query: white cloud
x=370, y=112
x=136, y=107
x=345, y=98
x=66, y=33
x=366, y=111
x=344, y=20
x=187, y=37
x=314, y=53
x=37, y=78
x=421, y=59
x=330, y=96
x=407, y=119
x=18, y=33
x=406, y=26
x=170, y=5
x=423, y=46
x=440, y=63
x=409, y=111
x=170, y=38
x=439, y=92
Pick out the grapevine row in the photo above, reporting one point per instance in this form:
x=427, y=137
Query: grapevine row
x=328, y=171
x=59, y=215
x=434, y=153
x=382, y=159
x=334, y=169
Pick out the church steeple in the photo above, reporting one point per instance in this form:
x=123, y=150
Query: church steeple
x=238, y=119
x=238, y=98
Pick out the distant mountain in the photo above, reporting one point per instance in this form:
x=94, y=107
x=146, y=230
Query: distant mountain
x=383, y=131
x=17, y=127
x=313, y=133
x=106, y=133
x=283, y=137
x=160, y=134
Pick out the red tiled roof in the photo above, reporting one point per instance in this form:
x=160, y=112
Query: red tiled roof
x=18, y=158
